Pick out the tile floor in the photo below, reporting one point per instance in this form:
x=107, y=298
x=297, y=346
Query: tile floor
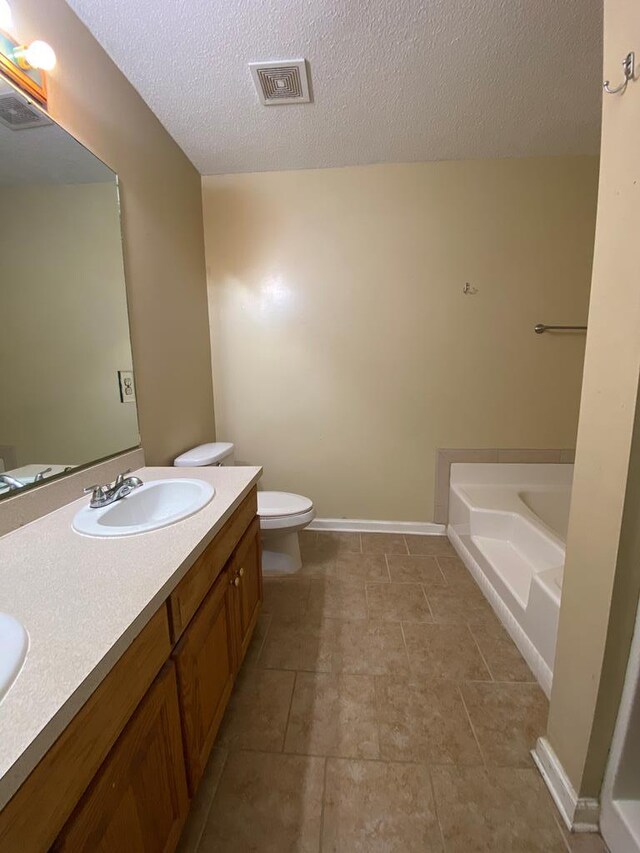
x=381, y=707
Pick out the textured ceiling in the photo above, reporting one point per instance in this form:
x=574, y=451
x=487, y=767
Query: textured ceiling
x=393, y=80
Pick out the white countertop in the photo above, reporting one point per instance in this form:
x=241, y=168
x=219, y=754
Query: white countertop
x=83, y=600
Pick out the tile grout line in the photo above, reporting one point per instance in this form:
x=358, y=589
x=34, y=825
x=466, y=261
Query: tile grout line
x=433, y=618
x=435, y=808
x=386, y=559
x=477, y=644
x=322, y=804
x=475, y=736
x=286, y=725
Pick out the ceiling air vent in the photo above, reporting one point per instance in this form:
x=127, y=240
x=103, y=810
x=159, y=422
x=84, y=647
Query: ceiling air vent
x=281, y=82
x=17, y=115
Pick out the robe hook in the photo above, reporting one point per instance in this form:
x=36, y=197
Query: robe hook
x=628, y=70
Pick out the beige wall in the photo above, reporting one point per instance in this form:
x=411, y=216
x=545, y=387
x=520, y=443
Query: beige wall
x=344, y=351
x=162, y=223
x=66, y=334
x=602, y=573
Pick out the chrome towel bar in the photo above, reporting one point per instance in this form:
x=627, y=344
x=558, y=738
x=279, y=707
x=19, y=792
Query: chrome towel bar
x=542, y=327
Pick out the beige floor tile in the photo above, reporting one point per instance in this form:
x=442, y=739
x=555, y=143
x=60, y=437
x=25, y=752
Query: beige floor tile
x=335, y=599
x=285, y=597
x=368, y=647
x=455, y=572
x=339, y=542
x=383, y=543
x=503, y=810
x=360, y=568
x=298, y=643
x=460, y=605
x=397, y=602
x=444, y=651
x=267, y=803
x=413, y=569
x=201, y=803
x=500, y=652
x=333, y=714
x=507, y=720
x=256, y=717
x=429, y=545
x=257, y=641
x=424, y=721
x=373, y=807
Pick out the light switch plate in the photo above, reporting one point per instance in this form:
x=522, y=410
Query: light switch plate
x=127, y=386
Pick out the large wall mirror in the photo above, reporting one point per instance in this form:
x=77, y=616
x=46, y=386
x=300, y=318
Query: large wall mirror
x=67, y=396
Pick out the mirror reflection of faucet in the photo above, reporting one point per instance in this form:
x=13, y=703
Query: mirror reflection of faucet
x=18, y=478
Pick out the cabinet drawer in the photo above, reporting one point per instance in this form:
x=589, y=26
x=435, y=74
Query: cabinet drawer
x=188, y=595
x=37, y=812
x=138, y=801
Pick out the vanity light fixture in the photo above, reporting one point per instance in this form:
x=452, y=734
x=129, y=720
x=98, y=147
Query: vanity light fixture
x=38, y=55
x=24, y=65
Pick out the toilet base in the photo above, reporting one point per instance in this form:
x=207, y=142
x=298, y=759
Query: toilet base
x=280, y=553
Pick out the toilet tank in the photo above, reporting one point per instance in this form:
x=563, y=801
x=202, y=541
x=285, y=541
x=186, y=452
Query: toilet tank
x=214, y=453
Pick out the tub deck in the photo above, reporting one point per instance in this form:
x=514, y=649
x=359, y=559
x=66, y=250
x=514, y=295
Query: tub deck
x=508, y=523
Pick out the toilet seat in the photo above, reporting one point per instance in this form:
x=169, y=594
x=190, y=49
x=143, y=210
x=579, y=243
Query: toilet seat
x=284, y=511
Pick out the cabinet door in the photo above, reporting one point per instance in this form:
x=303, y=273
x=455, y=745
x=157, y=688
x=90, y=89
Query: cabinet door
x=205, y=663
x=246, y=575
x=138, y=801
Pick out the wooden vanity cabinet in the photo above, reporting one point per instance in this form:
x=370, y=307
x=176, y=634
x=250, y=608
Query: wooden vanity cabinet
x=246, y=583
x=212, y=648
x=120, y=775
x=138, y=801
x=205, y=660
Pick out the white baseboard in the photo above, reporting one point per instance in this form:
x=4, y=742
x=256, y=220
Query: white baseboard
x=358, y=525
x=580, y=814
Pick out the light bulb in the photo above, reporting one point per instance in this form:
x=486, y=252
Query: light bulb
x=6, y=19
x=40, y=55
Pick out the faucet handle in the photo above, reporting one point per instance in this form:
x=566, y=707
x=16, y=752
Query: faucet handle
x=97, y=492
x=120, y=478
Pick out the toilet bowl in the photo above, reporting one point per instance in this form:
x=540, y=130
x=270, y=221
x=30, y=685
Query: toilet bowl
x=282, y=514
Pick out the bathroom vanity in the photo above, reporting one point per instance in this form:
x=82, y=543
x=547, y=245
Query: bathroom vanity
x=135, y=644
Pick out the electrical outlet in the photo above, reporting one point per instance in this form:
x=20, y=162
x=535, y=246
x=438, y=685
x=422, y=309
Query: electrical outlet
x=127, y=386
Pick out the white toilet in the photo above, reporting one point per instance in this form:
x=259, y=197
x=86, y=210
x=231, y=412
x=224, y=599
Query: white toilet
x=282, y=514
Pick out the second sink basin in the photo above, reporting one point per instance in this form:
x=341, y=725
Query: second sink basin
x=157, y=503
x=14, y=643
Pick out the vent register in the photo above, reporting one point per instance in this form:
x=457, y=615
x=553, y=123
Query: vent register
x=281, y=82
x=16, y=115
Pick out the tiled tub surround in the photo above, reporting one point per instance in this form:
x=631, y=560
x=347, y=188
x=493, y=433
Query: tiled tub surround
x=382, y=707
x=508, y=523
x=83, y=601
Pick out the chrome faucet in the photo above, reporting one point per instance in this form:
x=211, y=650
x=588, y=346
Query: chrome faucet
x=10, y=481
x=112, y=492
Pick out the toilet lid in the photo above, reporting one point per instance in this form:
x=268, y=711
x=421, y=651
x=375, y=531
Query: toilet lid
x=271, y=504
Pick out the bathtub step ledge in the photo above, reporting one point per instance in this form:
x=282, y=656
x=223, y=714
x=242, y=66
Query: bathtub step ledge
x=536, y=662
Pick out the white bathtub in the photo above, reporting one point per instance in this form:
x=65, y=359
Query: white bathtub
x=509, y=525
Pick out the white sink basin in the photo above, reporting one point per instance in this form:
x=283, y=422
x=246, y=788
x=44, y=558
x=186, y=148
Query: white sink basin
x=14, y=642
x=157, y=503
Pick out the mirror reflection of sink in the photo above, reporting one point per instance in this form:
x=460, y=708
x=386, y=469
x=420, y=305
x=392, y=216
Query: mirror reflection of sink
x=156, y=504
x=14, y=642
